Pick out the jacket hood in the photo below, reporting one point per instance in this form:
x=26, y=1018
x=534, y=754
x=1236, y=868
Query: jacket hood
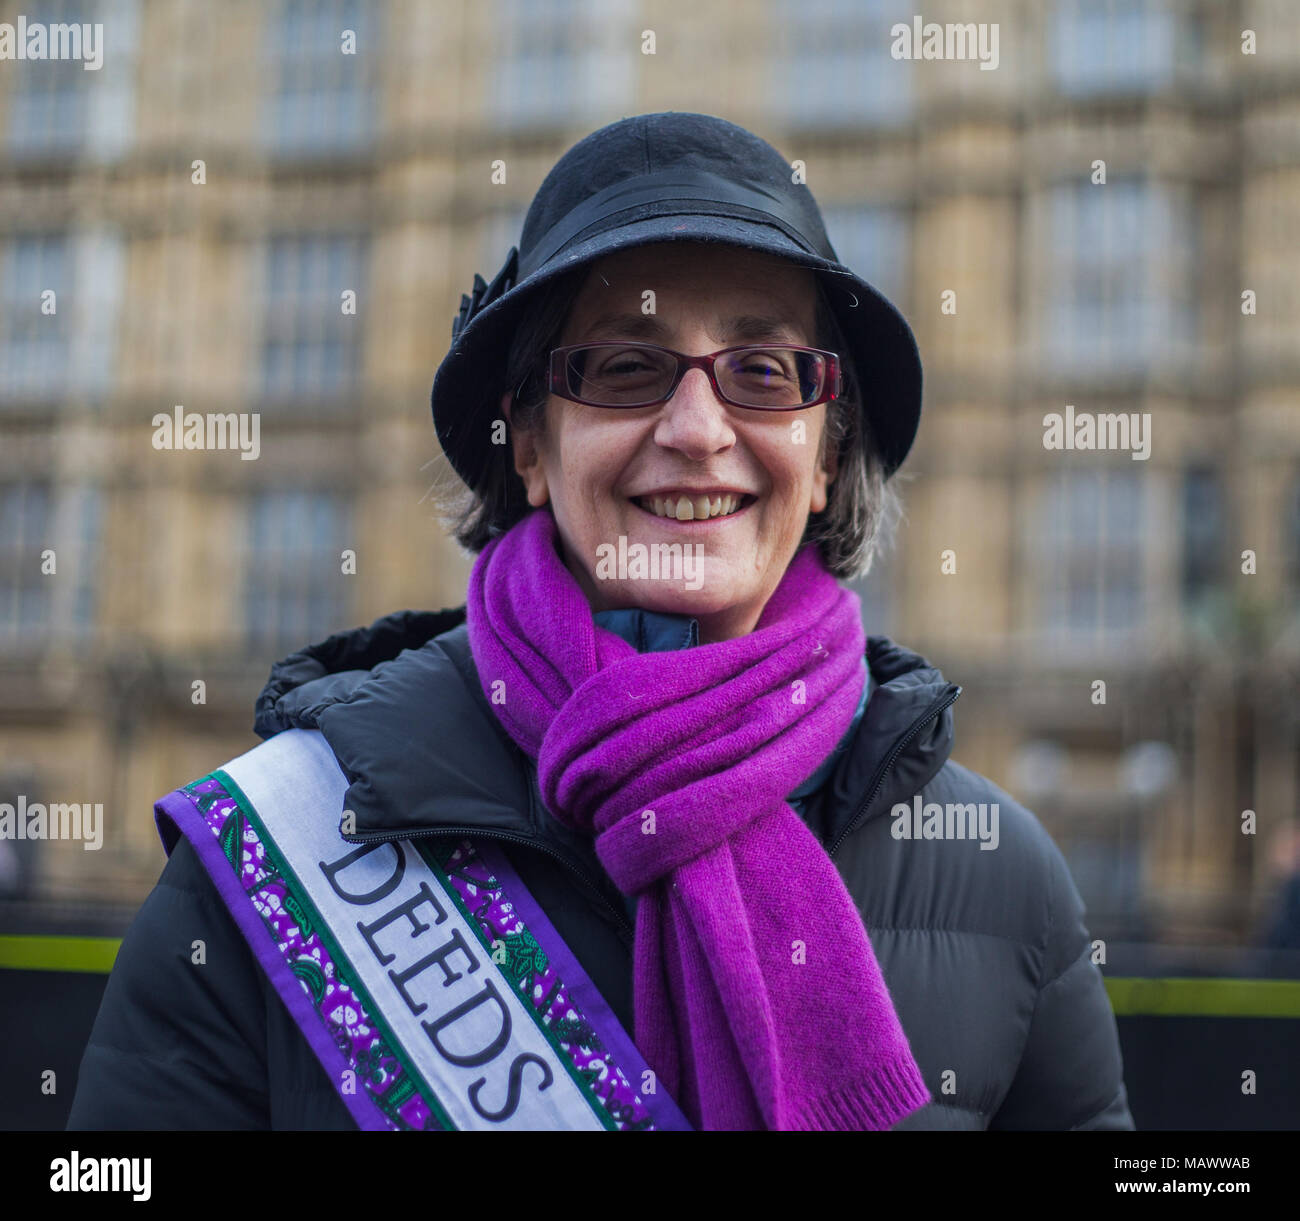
x=400, y=704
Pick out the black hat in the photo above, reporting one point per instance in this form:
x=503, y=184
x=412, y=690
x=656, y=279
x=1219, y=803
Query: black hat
x=665, y=177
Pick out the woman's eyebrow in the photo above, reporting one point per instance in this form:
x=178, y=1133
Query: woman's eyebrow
x=737, y=327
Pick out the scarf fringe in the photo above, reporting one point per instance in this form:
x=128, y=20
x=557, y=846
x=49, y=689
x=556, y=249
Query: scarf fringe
x=891, y=1093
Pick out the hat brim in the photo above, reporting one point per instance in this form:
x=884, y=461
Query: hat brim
x=468, y=386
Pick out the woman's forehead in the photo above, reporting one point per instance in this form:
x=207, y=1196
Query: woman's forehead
x=775, y=324
x=731, y=290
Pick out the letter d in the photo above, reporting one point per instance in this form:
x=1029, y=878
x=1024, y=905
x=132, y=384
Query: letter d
x=385, y=888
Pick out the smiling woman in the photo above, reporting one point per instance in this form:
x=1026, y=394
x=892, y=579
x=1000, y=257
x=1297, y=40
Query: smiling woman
x=608, y=846
x=860, y=501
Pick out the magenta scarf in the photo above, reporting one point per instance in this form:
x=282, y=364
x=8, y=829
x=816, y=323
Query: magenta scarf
x=757, y=997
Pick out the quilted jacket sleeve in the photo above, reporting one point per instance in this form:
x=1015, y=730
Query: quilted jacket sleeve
x=177, y=1044
x=1070, y=1075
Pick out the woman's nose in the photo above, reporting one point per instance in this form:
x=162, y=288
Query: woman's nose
x=695, y=420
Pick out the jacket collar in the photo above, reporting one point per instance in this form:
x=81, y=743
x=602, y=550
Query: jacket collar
x=400, y=704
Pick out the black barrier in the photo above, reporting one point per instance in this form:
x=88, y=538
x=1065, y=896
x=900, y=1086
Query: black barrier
x=1184, y=1072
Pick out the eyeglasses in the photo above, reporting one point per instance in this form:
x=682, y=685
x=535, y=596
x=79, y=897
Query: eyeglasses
x=767, y=377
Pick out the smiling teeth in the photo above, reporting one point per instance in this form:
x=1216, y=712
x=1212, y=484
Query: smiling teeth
x=690, y=508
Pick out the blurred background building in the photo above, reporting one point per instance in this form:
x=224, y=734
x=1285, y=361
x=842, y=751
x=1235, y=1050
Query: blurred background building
x=200, y=206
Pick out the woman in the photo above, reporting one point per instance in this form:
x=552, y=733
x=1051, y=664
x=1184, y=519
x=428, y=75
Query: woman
x=648, y=834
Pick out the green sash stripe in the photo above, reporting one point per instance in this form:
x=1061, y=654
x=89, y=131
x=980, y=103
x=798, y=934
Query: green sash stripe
x=322, y=930
x=422, y=847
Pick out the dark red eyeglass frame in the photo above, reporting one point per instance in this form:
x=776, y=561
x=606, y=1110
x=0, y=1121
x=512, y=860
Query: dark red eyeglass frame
x=559, y=382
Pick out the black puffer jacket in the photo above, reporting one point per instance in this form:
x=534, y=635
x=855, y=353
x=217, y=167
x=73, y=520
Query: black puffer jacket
x=985, y=952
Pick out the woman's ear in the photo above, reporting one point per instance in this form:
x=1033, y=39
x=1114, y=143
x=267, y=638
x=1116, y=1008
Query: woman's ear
x=527, y=456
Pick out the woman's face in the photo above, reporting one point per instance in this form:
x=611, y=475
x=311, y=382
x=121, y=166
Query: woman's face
x=600, y=469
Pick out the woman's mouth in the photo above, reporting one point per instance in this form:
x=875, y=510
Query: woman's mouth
x=681, y=507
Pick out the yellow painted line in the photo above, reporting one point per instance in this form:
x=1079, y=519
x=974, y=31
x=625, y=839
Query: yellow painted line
x=1273, y=998
x=59, y=953
x=1129, y=996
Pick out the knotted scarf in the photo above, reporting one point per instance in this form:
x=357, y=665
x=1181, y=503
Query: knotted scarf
x=757, y=998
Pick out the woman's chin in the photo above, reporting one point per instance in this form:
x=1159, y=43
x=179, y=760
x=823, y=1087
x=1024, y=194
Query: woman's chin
x=674, y=597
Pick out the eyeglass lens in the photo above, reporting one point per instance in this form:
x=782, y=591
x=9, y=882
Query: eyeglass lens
x=622, y=375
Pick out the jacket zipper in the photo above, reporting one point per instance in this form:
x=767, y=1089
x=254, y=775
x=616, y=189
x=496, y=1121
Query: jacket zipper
x=923, y=720
x=374, y=837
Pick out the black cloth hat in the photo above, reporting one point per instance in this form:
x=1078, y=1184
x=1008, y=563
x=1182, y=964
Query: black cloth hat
x=671, y=176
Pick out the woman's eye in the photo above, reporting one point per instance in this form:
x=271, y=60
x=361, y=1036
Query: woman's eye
x=615, y=368
x=627, y=361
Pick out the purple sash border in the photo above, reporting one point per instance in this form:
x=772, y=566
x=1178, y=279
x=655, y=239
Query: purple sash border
x=177, y=809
